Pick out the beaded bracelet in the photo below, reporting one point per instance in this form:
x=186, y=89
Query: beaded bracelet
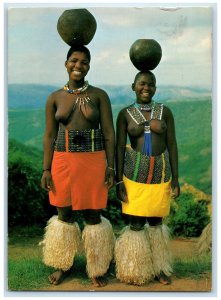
x=46, y=170
x=119, y=182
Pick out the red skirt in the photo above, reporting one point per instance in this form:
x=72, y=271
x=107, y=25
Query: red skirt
x=79, y=180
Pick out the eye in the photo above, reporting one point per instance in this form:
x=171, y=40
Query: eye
x=72, y=60
x=85, y=62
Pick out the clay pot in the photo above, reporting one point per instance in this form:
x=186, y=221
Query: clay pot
x=145, y=54
x=76, y=26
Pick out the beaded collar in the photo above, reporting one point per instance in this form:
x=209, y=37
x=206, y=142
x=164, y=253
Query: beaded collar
x=76, y=91
x=135, y=113
x=145, y=107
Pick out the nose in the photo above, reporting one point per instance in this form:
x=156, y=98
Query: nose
x=78, y=64
x=147, y=86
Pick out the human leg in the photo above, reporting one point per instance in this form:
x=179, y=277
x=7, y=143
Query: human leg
x=62, y=241
x=99, y=243
x=132, y=253
x=159, y=243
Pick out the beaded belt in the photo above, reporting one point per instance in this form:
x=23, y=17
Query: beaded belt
x=88, y=140
x=147, y=169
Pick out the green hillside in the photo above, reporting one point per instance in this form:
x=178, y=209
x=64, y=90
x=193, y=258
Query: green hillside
x=27, y=126
x=193, y=129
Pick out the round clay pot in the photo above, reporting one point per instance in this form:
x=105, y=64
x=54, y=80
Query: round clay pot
x=145, y=54
x=76, y=26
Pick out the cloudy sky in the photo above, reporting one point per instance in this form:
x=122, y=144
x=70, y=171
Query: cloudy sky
x=36, y=52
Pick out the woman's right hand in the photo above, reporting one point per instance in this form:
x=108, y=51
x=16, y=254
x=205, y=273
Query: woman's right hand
x=46, y=181
x=121, y=192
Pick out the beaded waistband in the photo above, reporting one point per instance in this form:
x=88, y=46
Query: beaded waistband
x=147, y=169
x=88, y=140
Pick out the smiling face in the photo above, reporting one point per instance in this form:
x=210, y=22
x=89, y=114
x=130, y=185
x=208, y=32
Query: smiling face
x=77, y=66
x=144, y=87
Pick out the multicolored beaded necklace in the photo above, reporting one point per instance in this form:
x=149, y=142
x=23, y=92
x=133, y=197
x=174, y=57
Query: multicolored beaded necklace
x=80, y=100
x=76, y=91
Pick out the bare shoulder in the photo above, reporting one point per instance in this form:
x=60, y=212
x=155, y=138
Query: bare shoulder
x=167, y=112
x=123, y=112
x=99, y=92
x=55, y=95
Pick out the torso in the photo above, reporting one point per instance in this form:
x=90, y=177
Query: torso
x=158, y=133
x=70, y=115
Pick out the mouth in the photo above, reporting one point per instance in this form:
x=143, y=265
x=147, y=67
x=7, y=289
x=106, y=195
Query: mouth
x=146, y=94
x=77, y=73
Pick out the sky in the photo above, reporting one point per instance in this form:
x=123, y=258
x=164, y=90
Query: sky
x=36, y=52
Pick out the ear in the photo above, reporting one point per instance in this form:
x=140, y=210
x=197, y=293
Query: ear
x=133, y=86
x=66, y=62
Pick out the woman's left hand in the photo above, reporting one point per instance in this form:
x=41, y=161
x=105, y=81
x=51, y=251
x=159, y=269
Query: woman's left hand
x=109, y=177
x=175, y=188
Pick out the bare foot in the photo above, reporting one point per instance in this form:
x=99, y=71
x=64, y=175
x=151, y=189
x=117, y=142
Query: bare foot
x=58, y=276
x=164, y=279
x=99, y=281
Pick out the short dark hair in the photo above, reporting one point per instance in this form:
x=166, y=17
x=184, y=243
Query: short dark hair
x=142, y=73
x=79, y=48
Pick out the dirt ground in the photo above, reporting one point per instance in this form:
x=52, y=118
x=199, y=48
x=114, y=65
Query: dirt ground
x=180, y=248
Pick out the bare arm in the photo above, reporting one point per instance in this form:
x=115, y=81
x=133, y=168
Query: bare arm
x=109, y=138
x=173, y=152
x=120, y=153
x=49, y=136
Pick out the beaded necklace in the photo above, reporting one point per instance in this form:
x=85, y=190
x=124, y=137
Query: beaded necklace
x=80, y=100
x=76, y=91
x=147, y=145
x=135, y=112
x=145, y=107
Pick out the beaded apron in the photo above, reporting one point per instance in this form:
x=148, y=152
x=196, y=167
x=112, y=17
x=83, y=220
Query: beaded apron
x=88, y=140
x=146, y=169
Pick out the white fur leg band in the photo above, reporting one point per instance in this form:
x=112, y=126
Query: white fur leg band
x=133, y=257
x=62, y=241
x=99, y=243
x=159, y=243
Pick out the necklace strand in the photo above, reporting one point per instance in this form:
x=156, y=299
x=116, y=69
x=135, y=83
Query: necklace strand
x=76, y=91
x=81, y=100
x=145, y=107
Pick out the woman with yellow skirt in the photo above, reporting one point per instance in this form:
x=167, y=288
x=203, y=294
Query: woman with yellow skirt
x=147, y=178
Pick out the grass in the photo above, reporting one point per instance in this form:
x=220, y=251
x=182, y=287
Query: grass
x=26, y=274
x=193, y=268
x=31, y=274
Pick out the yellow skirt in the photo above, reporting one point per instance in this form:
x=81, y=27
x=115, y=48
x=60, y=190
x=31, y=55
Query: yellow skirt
x=147, y=200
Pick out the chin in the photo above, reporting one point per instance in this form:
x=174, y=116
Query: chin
x=146, y=100
x=77, y=78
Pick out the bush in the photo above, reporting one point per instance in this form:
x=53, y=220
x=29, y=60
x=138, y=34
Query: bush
x=27, y=203
x=187, y=217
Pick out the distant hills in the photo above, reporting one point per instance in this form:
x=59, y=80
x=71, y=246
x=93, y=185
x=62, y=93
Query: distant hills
x=30, y=96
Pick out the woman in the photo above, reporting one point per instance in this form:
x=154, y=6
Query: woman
x=78, y=171
x=144, y=185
